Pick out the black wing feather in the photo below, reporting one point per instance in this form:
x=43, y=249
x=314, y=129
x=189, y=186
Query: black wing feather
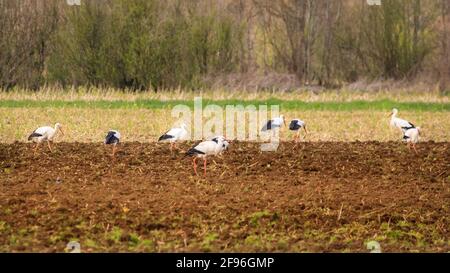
x=164, y=137
x=294, y=126
x=411, y=126
x=268, y=126
x=193, y=151
x=111, y=138
x=34, y=134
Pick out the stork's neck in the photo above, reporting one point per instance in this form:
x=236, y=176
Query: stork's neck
x=394, y=116
x=220, y=142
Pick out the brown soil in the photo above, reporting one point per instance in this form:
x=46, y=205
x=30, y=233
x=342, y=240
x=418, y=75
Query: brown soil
x=317, y=197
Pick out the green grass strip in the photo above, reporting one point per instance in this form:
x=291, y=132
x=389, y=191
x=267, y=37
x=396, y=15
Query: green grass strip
x=284, y=105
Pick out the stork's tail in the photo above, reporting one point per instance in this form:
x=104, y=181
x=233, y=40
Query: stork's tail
x=164, y=137
x=33, y=135
x=193, y=151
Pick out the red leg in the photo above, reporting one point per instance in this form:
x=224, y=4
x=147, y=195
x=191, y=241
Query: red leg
x=204, y=166
x=414, y=146
x=36, y=147
x=195, y=165
x=296, y=136
x=49, y=147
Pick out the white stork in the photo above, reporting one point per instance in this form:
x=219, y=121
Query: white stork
x=411, y=137
x=401, y=124
x=296, y=125
x=374, y=247
x=274, y=124
x=225, y=143
x=45, y=133
x=204, y=149
x=112, y=138
x=73, y=247
x=173, y=135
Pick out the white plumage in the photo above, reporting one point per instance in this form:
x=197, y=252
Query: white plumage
x=278, y=121
x=374, y=247
x=224, y=145
x=411, y=137
x=410, y=132
x=112, y=138
x=173, y=135
x=401, y=124
x=274, y=123
x=45, y=133
x=73, y=247
x=206, y=148
x=296, y=125
x=73, y=2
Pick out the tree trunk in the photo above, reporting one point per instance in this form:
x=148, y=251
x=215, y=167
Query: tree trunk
x=444, y=84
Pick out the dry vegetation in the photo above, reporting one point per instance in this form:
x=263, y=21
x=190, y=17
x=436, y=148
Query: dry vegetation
x=90, y=125
x=407, y=94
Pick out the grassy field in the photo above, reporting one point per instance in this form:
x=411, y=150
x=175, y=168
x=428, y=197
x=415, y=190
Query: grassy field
x=385, y=105
x=144, y=125
x=331, y=116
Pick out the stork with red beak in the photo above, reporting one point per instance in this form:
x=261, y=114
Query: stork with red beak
x=401, y=124
x=45, y=133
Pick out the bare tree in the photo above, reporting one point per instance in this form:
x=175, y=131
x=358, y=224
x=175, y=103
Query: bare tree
x=297, y=19
x=444, y=82
x=26, y=28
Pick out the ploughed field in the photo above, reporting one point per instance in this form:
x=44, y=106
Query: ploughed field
x=315, y=197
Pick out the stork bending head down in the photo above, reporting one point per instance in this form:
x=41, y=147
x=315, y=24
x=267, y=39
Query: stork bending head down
x=112, y=138
x=205, y=149
x=45, y=133
x=296, y=125
x=411, y=137
x=174, y=135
